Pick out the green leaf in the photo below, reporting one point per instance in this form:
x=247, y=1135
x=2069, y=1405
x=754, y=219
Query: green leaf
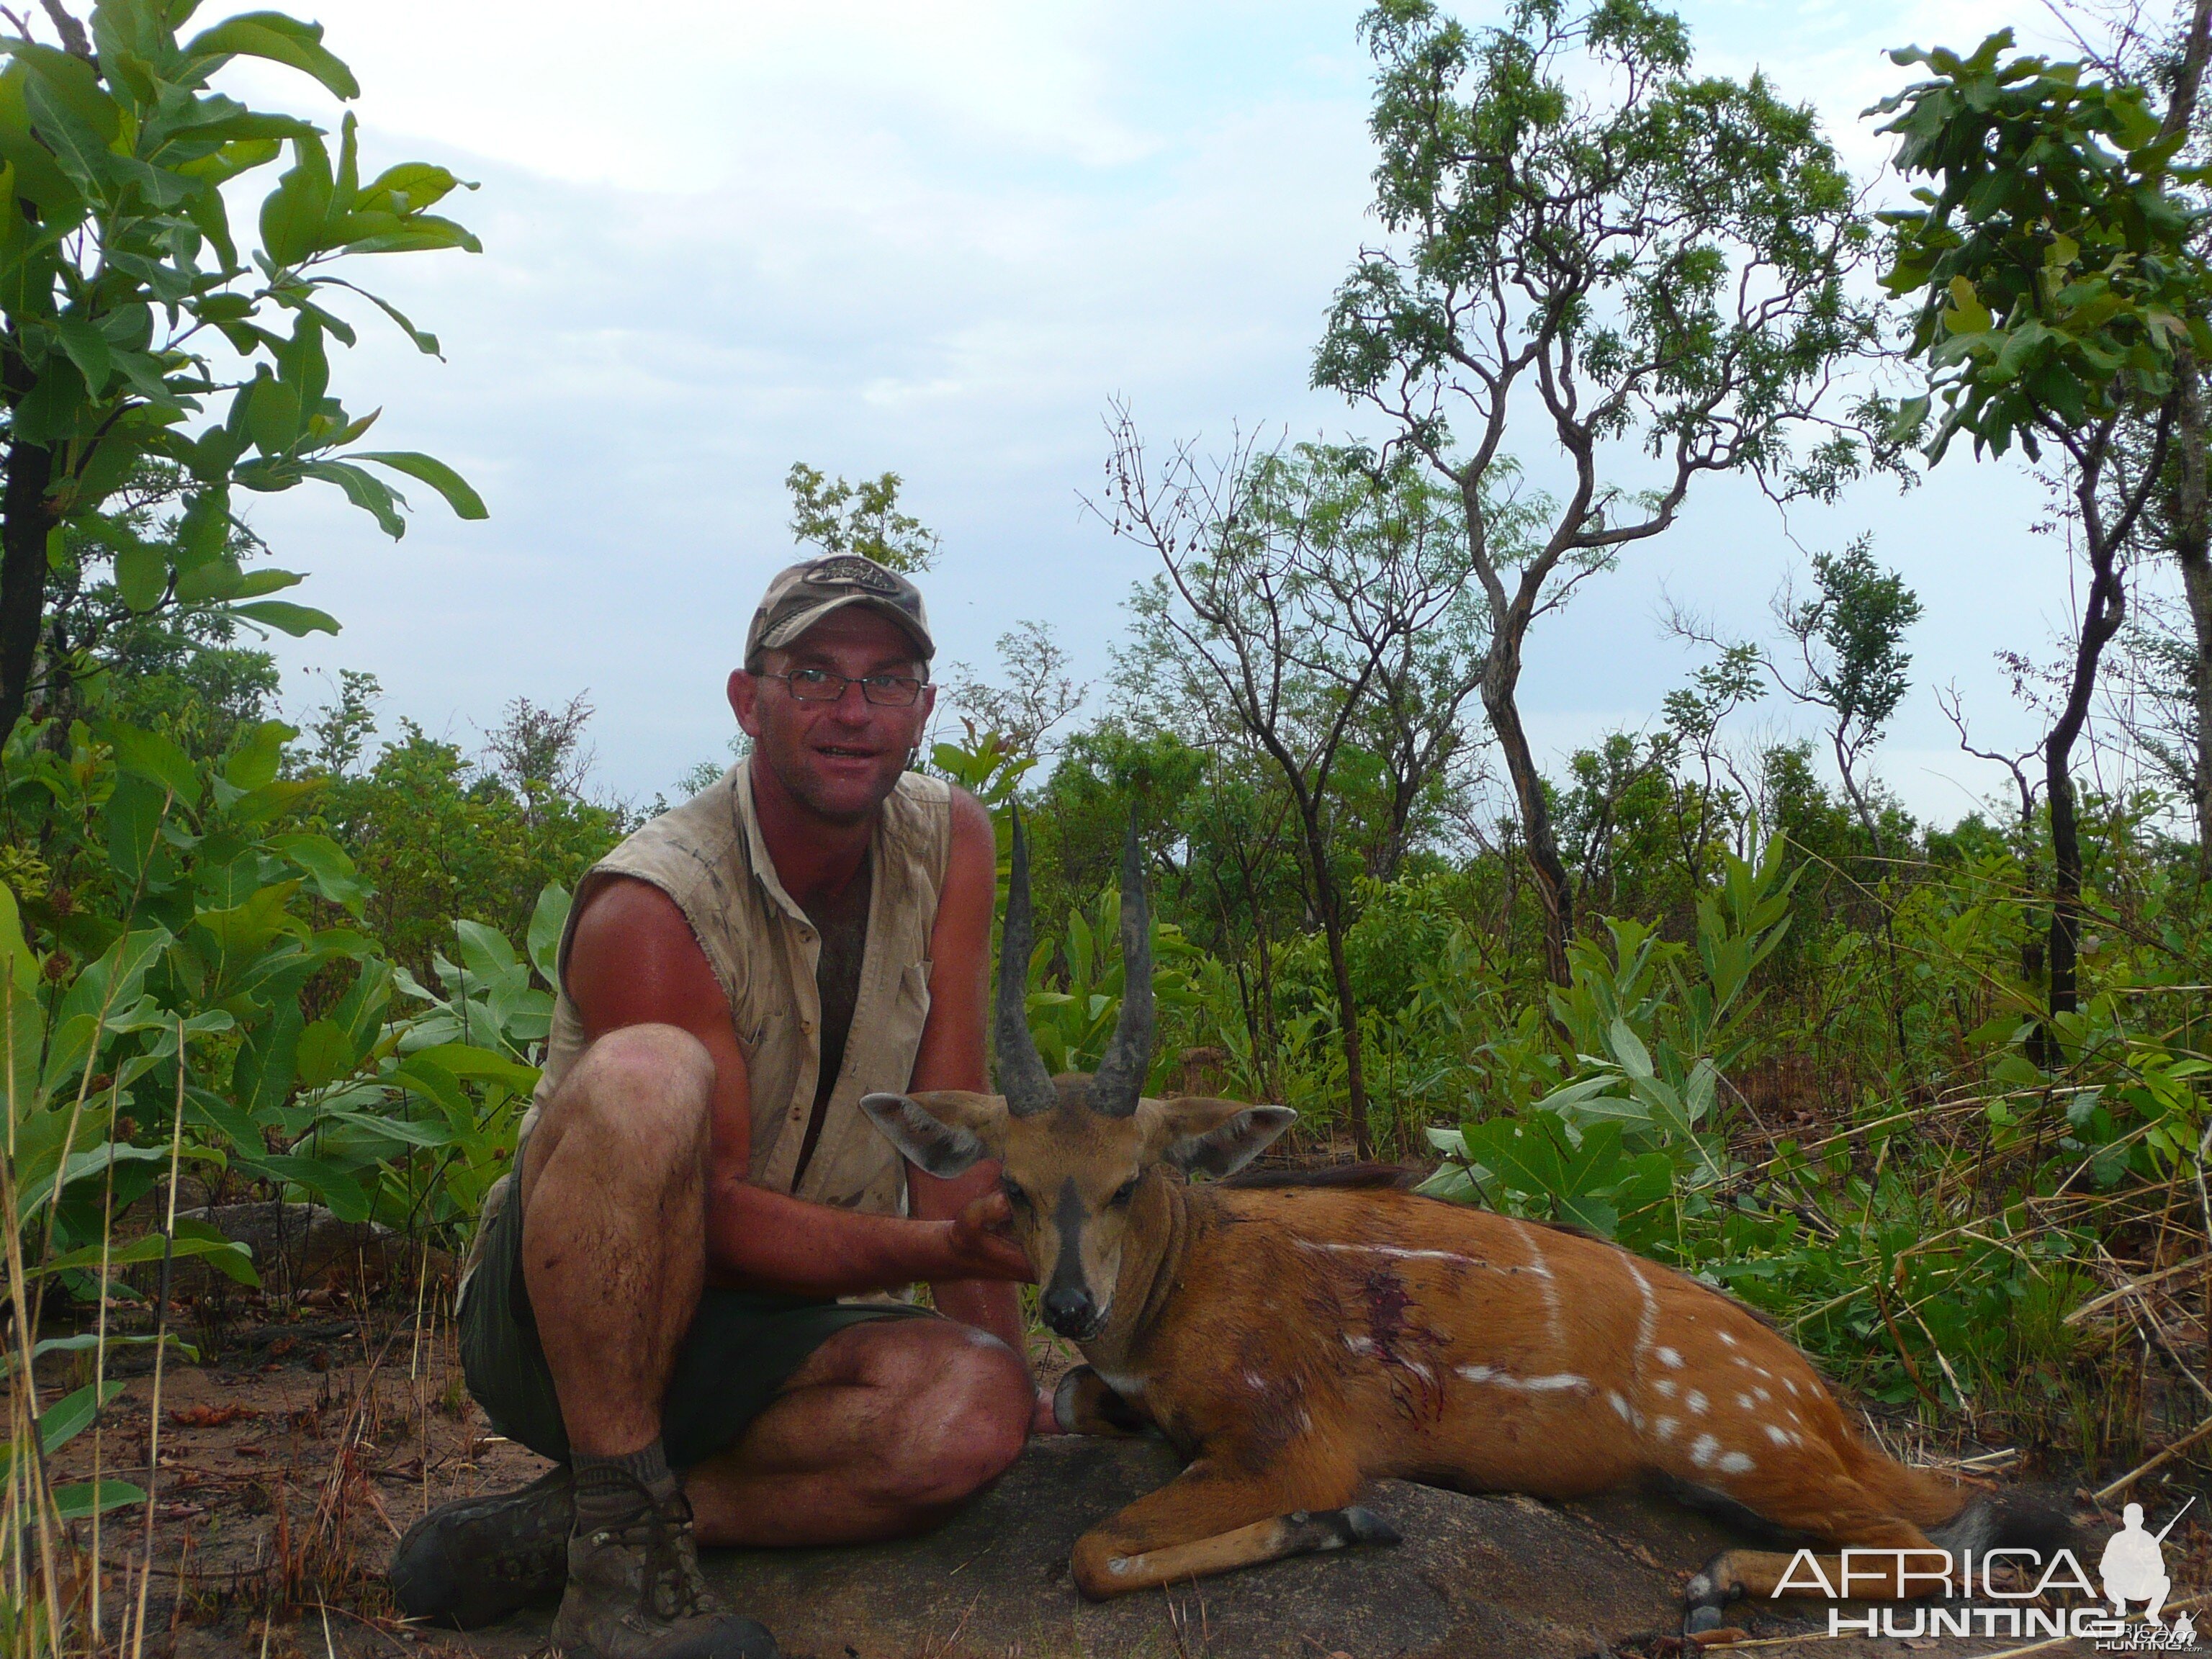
x=1628, y=1048
x=465, y=502
x=280, y=40
x=325, y=1053
x=66, y=1419
x=548, y=922
x=88, y=348
x=1966, y=314
x=286, y=617
x=254, y=762
x=371, y=494
x=151, y=756
x=142, y=574
x=83, y=1499
x=337, y=1188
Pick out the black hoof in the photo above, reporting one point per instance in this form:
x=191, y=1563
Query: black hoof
x=1369, y=1527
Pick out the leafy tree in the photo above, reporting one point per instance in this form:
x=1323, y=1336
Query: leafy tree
x=129, y=308
x=1295, y=586
x=1663, y=265
x=1039, y=692
x=438, y=836
x=2057, y=292
x=862, y=517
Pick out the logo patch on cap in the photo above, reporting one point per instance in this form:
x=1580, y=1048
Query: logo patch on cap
x=847, y=571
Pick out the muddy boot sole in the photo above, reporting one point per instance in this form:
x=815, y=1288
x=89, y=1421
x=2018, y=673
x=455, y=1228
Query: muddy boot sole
x=472, y=1563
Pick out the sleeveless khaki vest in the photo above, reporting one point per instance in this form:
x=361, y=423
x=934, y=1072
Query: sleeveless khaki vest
x=707, y=855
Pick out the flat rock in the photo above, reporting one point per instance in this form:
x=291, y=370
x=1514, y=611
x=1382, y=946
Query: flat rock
x=1475, y=1577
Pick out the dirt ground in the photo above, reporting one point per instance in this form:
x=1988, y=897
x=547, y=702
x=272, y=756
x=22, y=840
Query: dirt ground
x=312, y=1432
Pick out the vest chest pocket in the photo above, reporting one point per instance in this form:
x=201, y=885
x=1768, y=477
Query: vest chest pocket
x=891, y=1054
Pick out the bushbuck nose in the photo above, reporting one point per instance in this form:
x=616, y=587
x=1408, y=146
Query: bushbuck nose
x=1070, y=1312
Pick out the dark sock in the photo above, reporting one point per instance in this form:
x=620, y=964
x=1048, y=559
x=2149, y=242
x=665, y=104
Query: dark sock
x=607, y=1488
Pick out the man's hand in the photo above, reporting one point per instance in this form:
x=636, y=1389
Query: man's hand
x=1043, y=1419
x=981, y=1247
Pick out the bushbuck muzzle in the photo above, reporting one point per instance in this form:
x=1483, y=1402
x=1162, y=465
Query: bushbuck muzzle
x=1294, y=1338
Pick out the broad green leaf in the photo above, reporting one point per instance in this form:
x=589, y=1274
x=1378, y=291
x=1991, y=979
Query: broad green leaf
x=325, y=1054
x=465, y=502
x=1628, y=1049
x=334, y=1185
x=142, y=574
x=549, y=920
x=83, y=1499
x=296, y=620
x=157, y=758
x=68, y=1417
x=280, y=40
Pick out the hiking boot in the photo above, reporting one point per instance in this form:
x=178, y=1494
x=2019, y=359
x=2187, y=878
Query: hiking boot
x=635, y=1590
x=475, y=1561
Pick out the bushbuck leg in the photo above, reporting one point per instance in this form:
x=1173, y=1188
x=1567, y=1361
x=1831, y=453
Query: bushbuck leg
x=1085, y=1403
x=1839, y=1512
x=1210, y=1519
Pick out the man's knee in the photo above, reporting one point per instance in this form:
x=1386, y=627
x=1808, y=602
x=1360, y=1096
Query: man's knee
x=964, y=1419
x=649, y=1086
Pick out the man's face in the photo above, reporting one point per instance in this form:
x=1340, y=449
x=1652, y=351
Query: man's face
x=841, y=759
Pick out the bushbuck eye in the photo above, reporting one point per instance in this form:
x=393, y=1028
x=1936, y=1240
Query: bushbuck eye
x=1127, y=1191
x=1014, y=1194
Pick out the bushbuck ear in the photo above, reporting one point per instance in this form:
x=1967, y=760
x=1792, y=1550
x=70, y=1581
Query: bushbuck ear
x=947, y=1132
x=1218, y=1137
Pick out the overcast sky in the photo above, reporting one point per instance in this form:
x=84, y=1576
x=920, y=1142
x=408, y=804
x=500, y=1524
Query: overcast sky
x=722, y=236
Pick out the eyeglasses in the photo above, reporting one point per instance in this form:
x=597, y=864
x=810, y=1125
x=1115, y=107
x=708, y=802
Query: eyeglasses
x=820, y=685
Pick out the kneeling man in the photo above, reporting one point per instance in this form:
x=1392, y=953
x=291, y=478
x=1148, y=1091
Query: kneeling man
x=652, y=1297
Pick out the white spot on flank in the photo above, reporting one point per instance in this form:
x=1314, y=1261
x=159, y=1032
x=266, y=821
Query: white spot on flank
x=1735, y=1463
x=1726, y=1338
x=1744, y=1400
x=1696, y=1402
x=1255, y=1381
x=1498, y=1379
x=1763, y=1396
x=1780, y=1437
x=1669, y=1357
x=1664, y=1428
x=1746, y=1363
x=1790, y=1384
x=1359, y=1344
x=1705, y=1450
x=1619, y=1405
x=1664, y=1388
x=1764, y=1373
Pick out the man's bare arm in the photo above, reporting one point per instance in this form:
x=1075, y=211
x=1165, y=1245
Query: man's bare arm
x=951, y=1057
x=632, y=961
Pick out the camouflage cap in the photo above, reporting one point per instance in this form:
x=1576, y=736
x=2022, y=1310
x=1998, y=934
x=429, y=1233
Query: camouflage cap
x=803, y=595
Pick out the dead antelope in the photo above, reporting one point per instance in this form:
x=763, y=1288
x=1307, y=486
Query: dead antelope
x=1296, y=1340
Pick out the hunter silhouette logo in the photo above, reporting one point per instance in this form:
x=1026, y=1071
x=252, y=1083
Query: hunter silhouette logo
x=2133, y=1565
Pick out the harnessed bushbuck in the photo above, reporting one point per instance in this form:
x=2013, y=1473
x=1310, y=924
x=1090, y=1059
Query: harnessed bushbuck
x=1296, y=1339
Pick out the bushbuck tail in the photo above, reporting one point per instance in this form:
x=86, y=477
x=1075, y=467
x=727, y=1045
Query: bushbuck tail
x=1296, y=1340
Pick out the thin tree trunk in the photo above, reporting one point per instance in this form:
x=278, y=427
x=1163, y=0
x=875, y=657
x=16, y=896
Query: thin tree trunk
x=1498, y=684
x=24, y=522
x=2192, y=551
x=2101, y=620
x=1348, y=1005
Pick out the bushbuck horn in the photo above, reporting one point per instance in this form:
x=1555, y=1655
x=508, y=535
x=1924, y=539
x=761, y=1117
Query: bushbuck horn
x=1022, y=1079
x=1120, y=1078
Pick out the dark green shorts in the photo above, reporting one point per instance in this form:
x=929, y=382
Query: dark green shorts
x=743, y=1346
